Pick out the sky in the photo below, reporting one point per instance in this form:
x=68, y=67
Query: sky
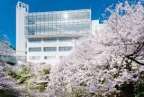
x=8, y=11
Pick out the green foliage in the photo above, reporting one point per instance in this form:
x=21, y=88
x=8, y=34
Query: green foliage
x=46, y=71
x=126, y=90
x=23, y=80
x=5, y=93
x=139, y=88
x=40, y=87
x=131, y=89
x=76, y=93
x=20, y=76
x=14, y=75
x=83, y=84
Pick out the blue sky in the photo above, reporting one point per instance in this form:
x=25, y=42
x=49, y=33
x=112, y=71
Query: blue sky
x=7, y=9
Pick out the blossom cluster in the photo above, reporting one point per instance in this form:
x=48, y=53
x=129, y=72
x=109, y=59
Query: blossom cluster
x=110, y=57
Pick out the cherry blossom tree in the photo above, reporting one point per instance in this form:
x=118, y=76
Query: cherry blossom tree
x=7, y=84
x=100, y=62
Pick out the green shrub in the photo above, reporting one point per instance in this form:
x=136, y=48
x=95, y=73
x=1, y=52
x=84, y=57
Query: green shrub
x=127, y=90
x=19, y=76
x=14, y=75
x=23, y=80
x=139, y=88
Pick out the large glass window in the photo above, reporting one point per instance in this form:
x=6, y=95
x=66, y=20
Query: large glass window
x=34, y=40
x=65, y=48
x=58, y=22
x=50, y=40
x=65, y=39
x=35, y=49
x=50, y=49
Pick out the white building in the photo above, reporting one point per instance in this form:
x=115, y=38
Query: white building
x=49, y=36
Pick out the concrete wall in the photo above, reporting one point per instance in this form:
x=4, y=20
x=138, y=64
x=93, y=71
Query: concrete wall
x=21, y=10
x=97, y=27
x=42, y=53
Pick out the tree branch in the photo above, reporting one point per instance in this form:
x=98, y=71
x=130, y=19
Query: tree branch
x=139, y=48
x=134, y=60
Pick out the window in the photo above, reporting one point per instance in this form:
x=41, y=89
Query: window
x=34, y=40
x=76, y=38
x=45, y=57
x=35, y=49
x=50, y=40
x=34, y=57
x=65, y=39
x=60, y=57
x=65, y=48
x=61, y=22
x=50, y=49
x=49, y=57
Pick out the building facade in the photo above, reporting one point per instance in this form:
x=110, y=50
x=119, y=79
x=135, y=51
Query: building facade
x=7, y=53
x=49, y=36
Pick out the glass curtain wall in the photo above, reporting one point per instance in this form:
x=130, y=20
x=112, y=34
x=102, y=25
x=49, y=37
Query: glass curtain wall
x=58, y=22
